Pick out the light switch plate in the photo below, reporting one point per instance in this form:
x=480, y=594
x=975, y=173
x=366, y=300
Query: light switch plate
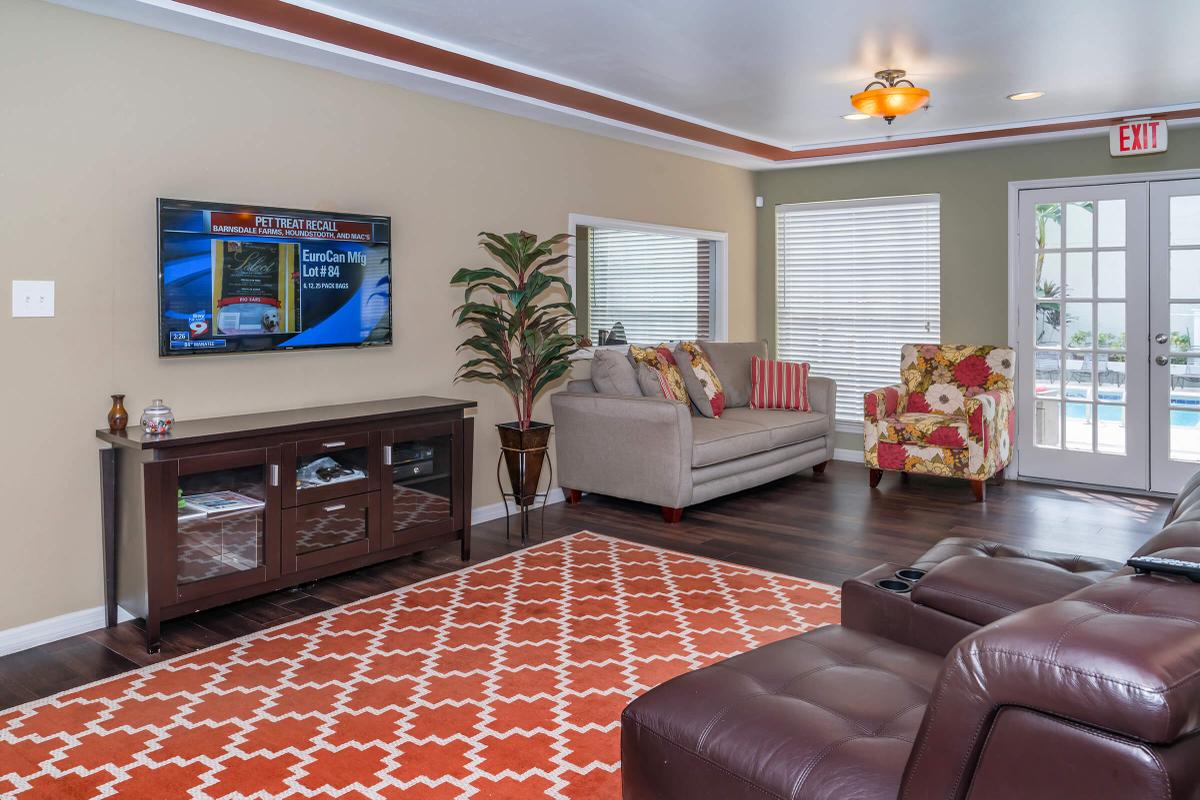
x=33, y=298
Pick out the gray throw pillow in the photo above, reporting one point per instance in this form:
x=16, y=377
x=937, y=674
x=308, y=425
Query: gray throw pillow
x=613, y=374
x=695, y=385
x=731, y=361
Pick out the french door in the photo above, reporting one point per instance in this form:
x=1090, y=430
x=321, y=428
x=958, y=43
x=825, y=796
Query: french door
x=1109, y=358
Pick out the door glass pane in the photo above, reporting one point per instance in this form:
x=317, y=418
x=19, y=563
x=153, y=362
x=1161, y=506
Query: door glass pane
x=1110, y=326
x=421, y=481
x=1110, y=430
x=1079, y=274
x=1185, y=220
x=1111, y=224
x=1080, y=367
x=1185, y=435
x=1110, y=274
x=1079, y=224
x=1079, y=426
x=1048, y=218
x=1185, y=274
x=221, y=520
x=1110, y=377
x=1048, y=325
x=1185, y=381
x=1046, y=423
x=1184, y=317
x=1079, y=324
x=1048, y=374
x=1048, y=280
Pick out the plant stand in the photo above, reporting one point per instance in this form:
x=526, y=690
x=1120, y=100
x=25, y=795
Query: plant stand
x=524, y=508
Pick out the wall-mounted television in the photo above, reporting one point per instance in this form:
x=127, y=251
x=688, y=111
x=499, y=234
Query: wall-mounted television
x=238, y=279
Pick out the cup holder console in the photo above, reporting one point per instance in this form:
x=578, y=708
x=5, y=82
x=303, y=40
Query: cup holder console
x=910, y=574
x=894, y=585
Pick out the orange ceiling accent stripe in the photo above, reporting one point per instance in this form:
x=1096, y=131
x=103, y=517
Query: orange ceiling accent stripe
x=343, y=33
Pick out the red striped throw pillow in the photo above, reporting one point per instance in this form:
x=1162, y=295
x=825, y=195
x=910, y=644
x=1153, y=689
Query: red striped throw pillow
x=779, y=384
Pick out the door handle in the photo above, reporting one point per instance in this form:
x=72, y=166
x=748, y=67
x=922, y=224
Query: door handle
x=1161, y=338
x=1162, y=361
x=274, y=480
x=331, y=445
x=337, y=507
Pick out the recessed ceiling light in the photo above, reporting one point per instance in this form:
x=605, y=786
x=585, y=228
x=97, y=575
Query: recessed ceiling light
x=856, y=116
x=1025, y=95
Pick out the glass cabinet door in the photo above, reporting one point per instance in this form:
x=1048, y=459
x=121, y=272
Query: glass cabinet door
x=225, y=522
x=423, y=467
x=321, y=533
x=326, y=468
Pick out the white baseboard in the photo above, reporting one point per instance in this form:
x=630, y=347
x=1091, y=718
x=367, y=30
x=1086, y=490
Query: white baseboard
x=23, y=637
x=840, y=454
x=496, y=510
x=44, y=631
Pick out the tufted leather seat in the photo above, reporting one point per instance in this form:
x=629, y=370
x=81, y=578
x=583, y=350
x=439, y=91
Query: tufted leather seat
x=778, y=721
x=1094, y=569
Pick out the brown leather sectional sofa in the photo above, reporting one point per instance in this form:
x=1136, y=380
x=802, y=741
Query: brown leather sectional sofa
x=1003, y=674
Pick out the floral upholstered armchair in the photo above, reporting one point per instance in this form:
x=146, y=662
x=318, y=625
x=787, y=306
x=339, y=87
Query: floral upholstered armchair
x=951, y=414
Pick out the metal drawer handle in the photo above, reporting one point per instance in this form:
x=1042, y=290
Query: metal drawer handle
x=335, y=507
x=331, y=445
x=387, y=456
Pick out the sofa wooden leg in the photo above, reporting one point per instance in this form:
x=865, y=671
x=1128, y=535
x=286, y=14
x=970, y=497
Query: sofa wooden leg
x=672, y=515
x=819, y=469
x=999, y=476
x=876, y=476
x=573, y=496
x=980, y=490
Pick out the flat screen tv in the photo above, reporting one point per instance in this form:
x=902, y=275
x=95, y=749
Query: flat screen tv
x=240, y=279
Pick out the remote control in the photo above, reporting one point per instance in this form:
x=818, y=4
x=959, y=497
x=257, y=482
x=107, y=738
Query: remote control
x=1168, y=566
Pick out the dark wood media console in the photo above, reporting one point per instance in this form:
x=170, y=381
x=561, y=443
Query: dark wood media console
x=222, y=509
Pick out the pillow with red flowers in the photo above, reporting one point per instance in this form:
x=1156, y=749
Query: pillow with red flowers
x=779, y=384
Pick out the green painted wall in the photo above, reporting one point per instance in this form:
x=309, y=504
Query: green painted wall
x=973, y=185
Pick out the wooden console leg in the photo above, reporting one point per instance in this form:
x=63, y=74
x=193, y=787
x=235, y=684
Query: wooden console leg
x=574, y=496
x=980, y=490
x=672, y=515
x=876, y=476
x=108, y=516
x=819, y=469
x=153, y=634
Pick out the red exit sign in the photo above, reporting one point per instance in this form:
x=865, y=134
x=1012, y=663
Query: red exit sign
x=1138, y=136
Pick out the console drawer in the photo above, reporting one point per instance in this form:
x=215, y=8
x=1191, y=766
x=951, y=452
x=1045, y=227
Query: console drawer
x=322, y=533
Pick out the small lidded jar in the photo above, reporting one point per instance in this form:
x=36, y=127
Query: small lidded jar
x=157, y=418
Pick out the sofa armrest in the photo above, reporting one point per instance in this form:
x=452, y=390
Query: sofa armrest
x=638, y=448
x=884, y=402
x=989, y=427
x=822, y=395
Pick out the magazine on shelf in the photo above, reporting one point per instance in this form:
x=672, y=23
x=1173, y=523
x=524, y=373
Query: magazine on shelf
x=209, y=503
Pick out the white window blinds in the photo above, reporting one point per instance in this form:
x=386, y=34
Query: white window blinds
x=855, y=280
x=658, y=286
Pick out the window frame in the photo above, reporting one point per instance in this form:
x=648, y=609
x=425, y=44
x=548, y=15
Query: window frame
x=854, y=425
x=718, y=287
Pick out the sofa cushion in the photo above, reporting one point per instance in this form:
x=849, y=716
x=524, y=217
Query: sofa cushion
x=1094, y=568
x=934, y=430
x=785, y=427
x=613, y=374
x=828, y=714
x=731, y=361
x=717, y=440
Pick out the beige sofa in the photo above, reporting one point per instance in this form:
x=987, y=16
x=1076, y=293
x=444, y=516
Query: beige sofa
x=654, y=450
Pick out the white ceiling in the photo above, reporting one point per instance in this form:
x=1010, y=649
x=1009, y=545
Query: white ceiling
x=777, y=71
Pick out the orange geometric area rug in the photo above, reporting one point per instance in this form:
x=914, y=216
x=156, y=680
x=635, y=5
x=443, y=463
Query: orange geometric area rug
x=503, y=680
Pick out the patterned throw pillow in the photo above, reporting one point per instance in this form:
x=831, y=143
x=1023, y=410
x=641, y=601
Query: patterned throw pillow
x=702, y=382
x=779, y=384
x=661, y=361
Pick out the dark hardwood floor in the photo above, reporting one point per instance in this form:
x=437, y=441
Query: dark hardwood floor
x=826, y=528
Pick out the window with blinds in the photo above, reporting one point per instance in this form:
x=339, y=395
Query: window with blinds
x=657, y=285
x=855, y=280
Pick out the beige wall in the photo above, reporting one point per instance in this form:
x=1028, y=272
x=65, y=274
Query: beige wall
x=973, y=185
x=101, y=117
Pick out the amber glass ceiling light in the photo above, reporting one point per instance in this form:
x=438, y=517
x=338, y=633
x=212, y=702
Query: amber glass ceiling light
x=890, y=96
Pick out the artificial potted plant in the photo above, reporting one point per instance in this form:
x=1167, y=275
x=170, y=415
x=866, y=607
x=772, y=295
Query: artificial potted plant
x=520, y=340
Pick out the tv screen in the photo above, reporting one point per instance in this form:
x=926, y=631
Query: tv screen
x=238, y=279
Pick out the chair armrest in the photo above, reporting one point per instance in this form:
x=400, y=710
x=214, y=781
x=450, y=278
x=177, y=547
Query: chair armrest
x=884, y=402
x=638, y=448
x=989, y=430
